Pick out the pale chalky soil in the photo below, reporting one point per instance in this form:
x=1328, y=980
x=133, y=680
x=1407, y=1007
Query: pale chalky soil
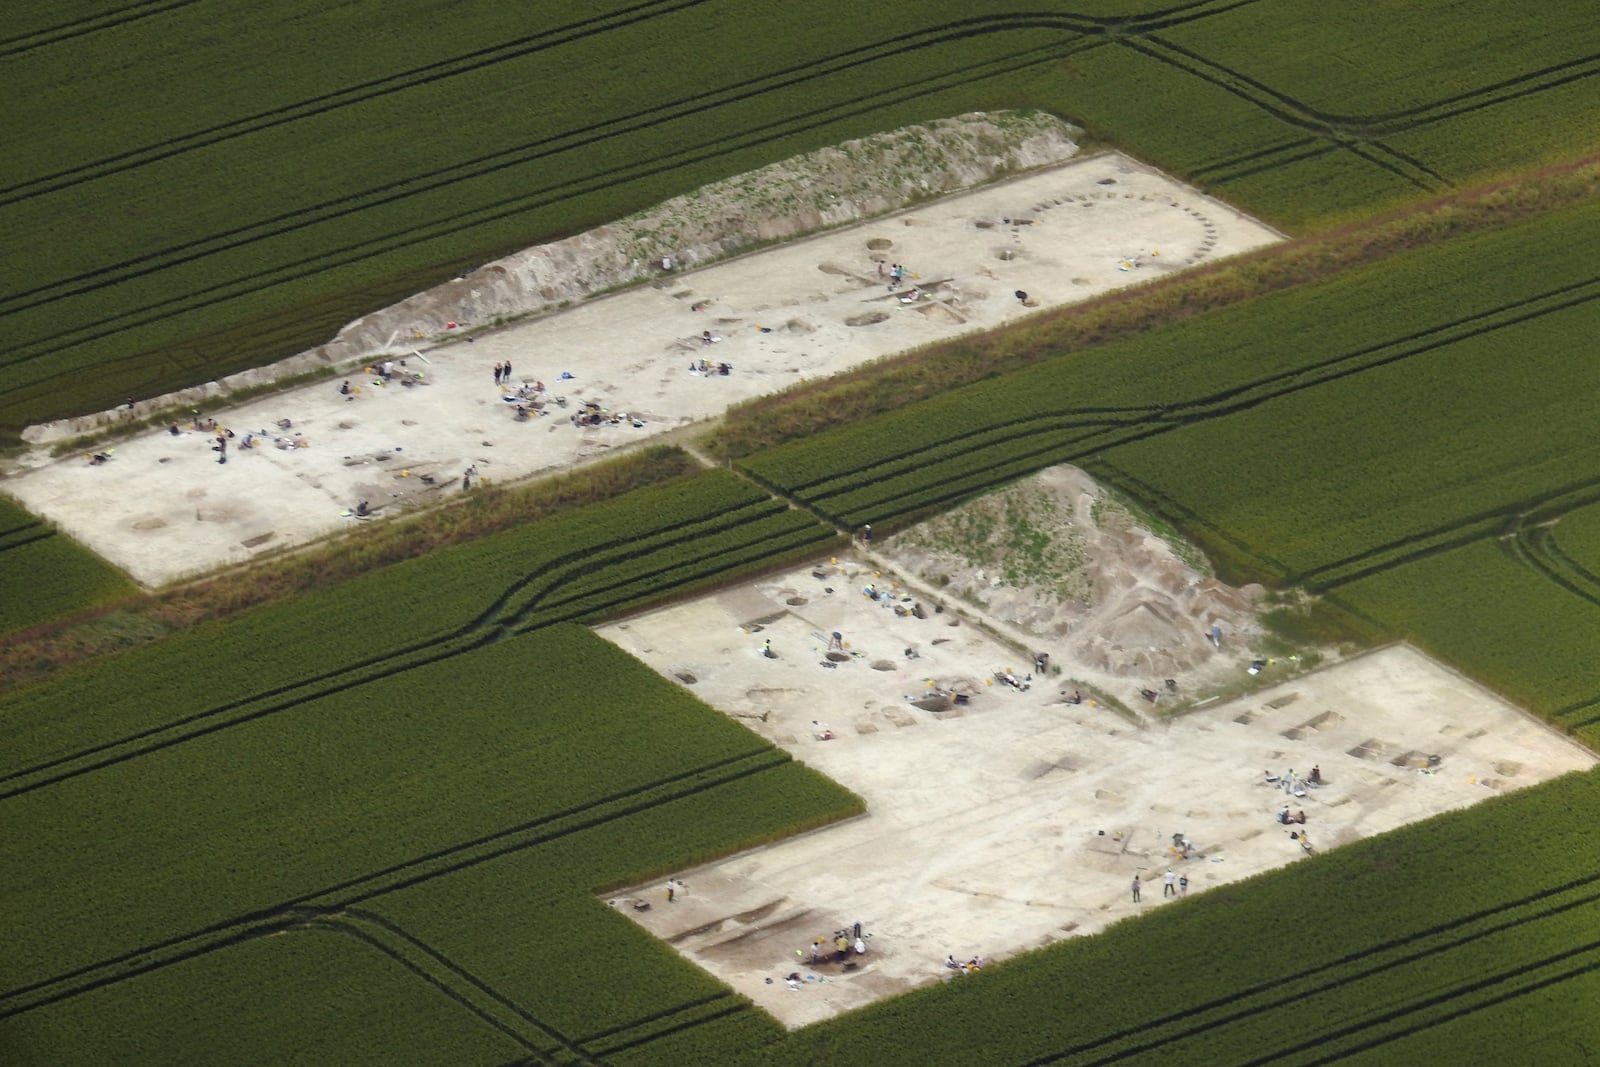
x=983, y=826
x=163, y=508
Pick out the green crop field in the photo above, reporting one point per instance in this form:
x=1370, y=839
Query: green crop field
x=368, y=823
x=440, y=820
x=280, y=166
x=1439, y=389
x=1263, y=420
x=431, y=763
x=44, y=574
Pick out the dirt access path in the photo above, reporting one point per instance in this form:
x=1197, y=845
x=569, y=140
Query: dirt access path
x=164, y=508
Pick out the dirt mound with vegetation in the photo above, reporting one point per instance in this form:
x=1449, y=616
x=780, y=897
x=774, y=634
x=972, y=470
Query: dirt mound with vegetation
x=804, y=194
x=1060, y=557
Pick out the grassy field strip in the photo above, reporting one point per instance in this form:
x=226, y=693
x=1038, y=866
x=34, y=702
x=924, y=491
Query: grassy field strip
x=218, y=267
x=293, y=777
x=445, y=975
x=548, y=602
x=1387, y=986
x=55, y=23
x=609, y=552
x=1018, y=439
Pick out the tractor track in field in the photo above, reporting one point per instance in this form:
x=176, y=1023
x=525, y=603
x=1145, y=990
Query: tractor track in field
x=560, y=192
x=1491, y=984
x=1090, y=433
x=485, y=58
x=350, y=892
x=22, y=536
x=852, y=61
x=1506, y=522
x=1362, y=135
x=429, y=965
x=622, y=1038
x=1093, y=34
x=1533, y=544
x=324, y=103
x=106, y=20
x=1283, y=992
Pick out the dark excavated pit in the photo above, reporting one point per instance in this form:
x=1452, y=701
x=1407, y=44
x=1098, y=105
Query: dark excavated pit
x=870, y=318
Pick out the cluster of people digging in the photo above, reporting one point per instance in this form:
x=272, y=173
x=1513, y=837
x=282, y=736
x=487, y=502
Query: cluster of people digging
x=1296, y=786
x=1182, y=849
x=285, y=439
x=531, y=399
x=840, y=952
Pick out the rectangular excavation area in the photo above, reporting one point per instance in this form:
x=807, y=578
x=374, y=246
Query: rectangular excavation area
x=167, y=506
x=1024, y=819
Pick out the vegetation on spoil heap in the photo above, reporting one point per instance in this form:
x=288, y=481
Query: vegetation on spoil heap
x=1018, y=537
